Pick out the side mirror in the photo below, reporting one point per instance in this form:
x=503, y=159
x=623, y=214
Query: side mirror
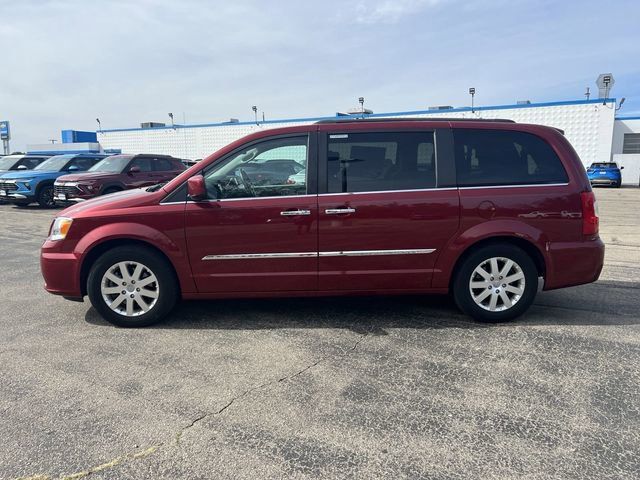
x=22, y=167
x=73, y=168
x=134, y=169
x=196, y=188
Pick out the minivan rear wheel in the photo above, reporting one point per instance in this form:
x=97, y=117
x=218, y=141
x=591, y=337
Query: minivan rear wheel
x=496, y=283
x=132, y=286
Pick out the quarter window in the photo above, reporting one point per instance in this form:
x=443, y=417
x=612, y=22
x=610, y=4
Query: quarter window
x=276, y=167
x=383, y=161
x=503, y=157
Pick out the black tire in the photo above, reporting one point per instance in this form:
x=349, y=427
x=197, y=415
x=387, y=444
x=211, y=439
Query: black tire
x=462, y=286
x=167, y=286
x=109, y=190
x=45, y=197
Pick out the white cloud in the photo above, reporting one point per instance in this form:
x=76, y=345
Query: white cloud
x=389, y=11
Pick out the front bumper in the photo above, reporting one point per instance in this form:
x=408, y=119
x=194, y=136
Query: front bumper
x=17, y=197
x=67, y=194
x=61, y=271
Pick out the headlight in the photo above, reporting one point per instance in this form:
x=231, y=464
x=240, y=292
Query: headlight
x=60, y=228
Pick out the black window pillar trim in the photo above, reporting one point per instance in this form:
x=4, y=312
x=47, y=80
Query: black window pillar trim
x=313, y=156
x=321, y=164
x=445, y=158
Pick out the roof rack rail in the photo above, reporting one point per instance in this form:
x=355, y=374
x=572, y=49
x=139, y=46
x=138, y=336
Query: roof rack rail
x=413, y=119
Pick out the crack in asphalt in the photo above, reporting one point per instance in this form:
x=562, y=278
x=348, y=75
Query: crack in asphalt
x=178, y=436
x=262, y=385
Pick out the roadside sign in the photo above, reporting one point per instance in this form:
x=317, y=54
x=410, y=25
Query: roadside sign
x=5, y=133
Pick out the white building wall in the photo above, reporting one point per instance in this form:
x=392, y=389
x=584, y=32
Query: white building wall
x=630, y=162
x=587, y=124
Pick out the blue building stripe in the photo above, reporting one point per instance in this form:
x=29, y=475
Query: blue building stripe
x=374, y=115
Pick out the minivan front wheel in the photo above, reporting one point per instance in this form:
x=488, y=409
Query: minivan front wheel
x=496, y=283
x=132, y=287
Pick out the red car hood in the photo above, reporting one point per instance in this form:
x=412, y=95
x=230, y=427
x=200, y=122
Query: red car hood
x=77, y=177
x=114, y=201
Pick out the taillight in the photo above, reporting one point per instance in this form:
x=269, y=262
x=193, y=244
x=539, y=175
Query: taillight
x=590, y=219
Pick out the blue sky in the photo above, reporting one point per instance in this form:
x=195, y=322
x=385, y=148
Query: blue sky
x=66, y=62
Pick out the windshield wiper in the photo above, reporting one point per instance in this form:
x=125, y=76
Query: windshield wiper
x=156, y=187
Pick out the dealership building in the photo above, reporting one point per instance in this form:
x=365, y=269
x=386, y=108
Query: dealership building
x=591, y=125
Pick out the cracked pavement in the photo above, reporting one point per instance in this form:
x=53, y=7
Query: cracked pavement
x=396, y=387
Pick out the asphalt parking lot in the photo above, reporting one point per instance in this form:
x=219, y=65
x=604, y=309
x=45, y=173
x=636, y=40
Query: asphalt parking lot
x=399, y=387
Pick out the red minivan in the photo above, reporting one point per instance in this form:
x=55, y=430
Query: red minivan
x=490, y=211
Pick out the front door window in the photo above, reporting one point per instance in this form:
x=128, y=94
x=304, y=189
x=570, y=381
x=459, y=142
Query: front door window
x=276, y=167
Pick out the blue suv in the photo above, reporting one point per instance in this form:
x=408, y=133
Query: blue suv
x=25, y=187
x=605, y=174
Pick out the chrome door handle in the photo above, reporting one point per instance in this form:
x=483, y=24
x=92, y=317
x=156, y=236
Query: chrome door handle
x=292, y=213
x=339, y=211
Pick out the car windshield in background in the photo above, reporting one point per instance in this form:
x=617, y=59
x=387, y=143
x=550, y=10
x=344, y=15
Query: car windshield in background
x=54, y=163
x=7, y=162
x=603, y=165
x=113, y=164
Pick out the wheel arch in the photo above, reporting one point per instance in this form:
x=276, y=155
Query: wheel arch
x=524, y=244
x=107, y=186
x=99, y=249
x=98, y=241
x=41, y=184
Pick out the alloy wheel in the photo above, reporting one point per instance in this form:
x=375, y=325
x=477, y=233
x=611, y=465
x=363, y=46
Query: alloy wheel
x=497, y=284
x=130, y=288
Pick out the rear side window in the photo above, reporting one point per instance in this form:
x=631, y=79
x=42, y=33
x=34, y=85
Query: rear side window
x=380, y=161
x=503, y=157
x=144, y=164
x=162, y=164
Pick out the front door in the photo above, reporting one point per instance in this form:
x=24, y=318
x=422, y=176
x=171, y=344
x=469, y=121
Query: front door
x=382, y=219
x=143, y=177
x=258, y=230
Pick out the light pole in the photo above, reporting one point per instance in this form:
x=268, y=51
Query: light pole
x=255, y=113
x=361, y=100
x=171, y=117
x=472, y=92
x=587, y=94
x=99, y=125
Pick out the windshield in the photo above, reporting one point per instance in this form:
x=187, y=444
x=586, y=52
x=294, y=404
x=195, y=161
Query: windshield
x=7, y=162
x=54, y=163
x=603, y=165
x=113, y=164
